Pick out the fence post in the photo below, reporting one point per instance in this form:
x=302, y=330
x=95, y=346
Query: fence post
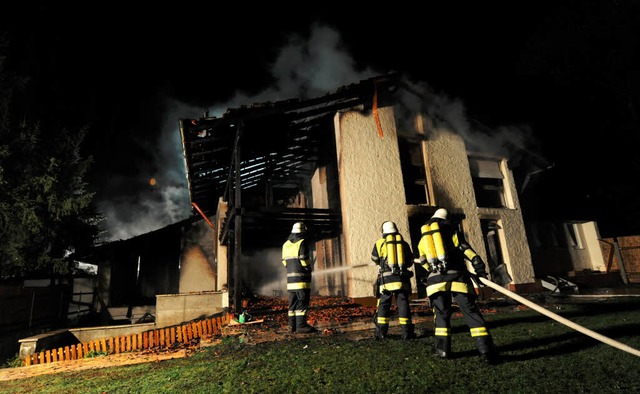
x=623, y=271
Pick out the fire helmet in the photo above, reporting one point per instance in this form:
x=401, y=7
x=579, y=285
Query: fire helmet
x=298, y=228
x=441, y=213
x=389, y=227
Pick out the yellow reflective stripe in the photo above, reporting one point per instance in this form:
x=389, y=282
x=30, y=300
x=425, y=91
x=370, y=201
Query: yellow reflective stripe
x=383, y=320
x=404, y=320
x=459, y=287
x=300, y=313
x=291, y=313
x=442, y=332
x=479, y=332
x=456, y=241
x=391, y=286
x=298, y=285
x=470, y=254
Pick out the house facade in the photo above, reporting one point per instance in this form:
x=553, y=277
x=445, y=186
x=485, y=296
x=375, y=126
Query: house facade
x=344, y=164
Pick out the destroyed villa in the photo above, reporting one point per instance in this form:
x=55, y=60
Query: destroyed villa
x=343, y=163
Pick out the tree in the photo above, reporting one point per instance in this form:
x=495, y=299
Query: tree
x=46, y=211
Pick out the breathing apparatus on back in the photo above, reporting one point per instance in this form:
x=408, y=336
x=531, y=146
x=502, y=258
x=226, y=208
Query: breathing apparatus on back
x=435, y=251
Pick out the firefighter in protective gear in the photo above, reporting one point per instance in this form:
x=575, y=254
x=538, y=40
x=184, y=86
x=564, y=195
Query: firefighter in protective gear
x=393, y=256
x=296, y=258
x=443, y=252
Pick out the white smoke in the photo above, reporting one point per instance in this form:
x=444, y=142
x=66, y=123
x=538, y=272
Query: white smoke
x=165, y=198
x=305, y=67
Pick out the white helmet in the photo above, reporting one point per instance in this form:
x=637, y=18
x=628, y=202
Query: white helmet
x=389, y=227
x=440, y=214
x=298, y=228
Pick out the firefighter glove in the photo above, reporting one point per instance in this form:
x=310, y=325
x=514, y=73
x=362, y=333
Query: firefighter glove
x=478, y=266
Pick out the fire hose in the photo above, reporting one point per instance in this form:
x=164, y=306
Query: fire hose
x=561, y=319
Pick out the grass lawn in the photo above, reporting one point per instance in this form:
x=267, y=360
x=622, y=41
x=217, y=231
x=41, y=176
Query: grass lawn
x=540, y=355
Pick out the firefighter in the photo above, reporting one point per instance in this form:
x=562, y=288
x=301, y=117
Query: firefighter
x=443, y=252
x=393, y=256
x=296, y=258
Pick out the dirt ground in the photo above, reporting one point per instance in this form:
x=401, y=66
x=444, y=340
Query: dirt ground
x=267, y=322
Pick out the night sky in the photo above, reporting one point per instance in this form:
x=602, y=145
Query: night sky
x=561, y=80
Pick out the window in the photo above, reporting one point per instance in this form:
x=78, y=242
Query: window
x=574, y=231
x=558, y=235
x=412, y=160
x=488, y=182
x=490, y=234
x=414, y=177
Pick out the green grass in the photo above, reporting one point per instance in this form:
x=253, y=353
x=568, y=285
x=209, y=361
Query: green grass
x=540, y=356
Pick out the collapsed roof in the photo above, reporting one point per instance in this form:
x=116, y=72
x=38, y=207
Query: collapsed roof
x=279, y=146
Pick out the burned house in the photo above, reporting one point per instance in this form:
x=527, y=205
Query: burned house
x=344, y=163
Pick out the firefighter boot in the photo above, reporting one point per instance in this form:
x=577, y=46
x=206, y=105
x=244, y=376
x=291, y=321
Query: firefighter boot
x=381, y=331
x=292, y=324
x=408, y=332
x=442, y=347
x=303, y=327
x=487, y=350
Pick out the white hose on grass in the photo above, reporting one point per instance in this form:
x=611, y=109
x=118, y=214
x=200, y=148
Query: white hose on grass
x=561, y=319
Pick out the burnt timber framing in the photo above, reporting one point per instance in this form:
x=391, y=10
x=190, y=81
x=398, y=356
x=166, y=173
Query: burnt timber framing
x=267, y=153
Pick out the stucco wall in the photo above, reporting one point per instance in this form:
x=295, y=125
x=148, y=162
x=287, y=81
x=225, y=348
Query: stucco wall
x=371, y=189
x=451, y=177
x=589, y=257
x=221, y=263
x=174, y=309
x=197, y=272
x=453, y=188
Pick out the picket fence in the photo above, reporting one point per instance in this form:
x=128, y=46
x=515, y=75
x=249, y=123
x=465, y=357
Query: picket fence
x=150, y=339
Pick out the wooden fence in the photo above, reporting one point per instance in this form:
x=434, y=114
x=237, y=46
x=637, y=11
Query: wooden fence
x=623, y=254
x=156, y=338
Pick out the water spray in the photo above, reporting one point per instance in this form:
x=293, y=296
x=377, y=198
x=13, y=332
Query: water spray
x=273, y=287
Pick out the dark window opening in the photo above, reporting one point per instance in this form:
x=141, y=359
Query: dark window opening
x=491, y=239
x=488, y=183
x=413, y=172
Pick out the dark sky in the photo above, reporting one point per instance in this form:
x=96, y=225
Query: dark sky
x=556, y=76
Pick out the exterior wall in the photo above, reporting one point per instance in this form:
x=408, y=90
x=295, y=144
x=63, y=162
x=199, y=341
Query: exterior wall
x=453, y=188
x=589, y=255
x=560, y=255
x=328, y=276
x=66, y=337
x=320, y=197
x=174, y=309
x=371, y=190
x=221, y=259
x=104, y=283
x=196, y=263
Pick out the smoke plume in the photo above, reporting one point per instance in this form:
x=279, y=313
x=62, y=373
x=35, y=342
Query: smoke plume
x=305, y=67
